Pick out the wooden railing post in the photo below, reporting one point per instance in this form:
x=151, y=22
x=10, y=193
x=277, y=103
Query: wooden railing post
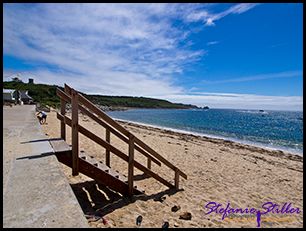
x=107, y=153
x=74, y=135
x=149, y=163
x=131, y=165
x=176, y=179
x=63, y=125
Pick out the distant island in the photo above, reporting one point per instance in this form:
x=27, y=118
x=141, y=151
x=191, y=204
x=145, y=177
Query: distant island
x=46, y=95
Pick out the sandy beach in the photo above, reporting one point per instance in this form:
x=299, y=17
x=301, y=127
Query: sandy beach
x=218, y=171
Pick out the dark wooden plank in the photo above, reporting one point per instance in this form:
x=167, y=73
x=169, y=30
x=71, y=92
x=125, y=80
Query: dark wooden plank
x=63, y=125
x=107, y=153
x=131, y=164
x=176, y=179
x=75, y=133
x=149, y=163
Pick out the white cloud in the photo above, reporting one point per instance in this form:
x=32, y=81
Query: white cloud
x=242, y=7
x=115, y=45
x=93, y=41
x=206, y=16
x=211, y=43
x=257, y=77
x=240, y=101
x=121, y=49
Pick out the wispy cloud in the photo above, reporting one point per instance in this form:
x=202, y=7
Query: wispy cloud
x=208, y=17
x=211, y=43
x=240, y=101
x=257, y=77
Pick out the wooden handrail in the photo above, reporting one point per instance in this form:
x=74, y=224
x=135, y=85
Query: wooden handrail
x=98, y=112
x=81, y=103
x=113, y=123
x=106, y=126
x=114, y=150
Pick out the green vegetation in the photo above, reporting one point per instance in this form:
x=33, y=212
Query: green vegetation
x=139, y=102
x=46, y=94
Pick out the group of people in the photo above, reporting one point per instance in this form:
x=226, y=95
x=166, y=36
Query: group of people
x=42, y=119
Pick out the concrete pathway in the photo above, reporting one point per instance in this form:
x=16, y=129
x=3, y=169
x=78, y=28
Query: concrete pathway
x=36, y=192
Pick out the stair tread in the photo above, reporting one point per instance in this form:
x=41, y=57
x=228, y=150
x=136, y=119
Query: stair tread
x=60, y=146
x=110, y=171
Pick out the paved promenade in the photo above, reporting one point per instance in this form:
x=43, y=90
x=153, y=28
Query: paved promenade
x=36, y=192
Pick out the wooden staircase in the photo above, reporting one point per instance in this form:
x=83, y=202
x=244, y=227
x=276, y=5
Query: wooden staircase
x=92, y=168
x=79, y=161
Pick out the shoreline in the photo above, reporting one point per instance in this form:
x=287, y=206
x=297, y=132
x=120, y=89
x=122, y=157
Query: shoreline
x=177, y=132
x=240, y=141
x=219, y=171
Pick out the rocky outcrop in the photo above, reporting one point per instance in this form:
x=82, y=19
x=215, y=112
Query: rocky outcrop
x=103, y=108
x=110, y=108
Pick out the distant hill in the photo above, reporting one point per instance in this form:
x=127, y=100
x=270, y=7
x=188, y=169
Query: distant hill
x=46, y=94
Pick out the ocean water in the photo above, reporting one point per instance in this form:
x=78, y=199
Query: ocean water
x=277, y=130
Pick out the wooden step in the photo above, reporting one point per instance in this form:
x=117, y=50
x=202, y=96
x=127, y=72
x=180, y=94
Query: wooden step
x=97, y=170
x=105, y=168
x=105, y=175
x=59, y=146
x=98, y=164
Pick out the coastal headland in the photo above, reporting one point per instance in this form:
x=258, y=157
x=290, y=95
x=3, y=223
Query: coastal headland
x=219, y=171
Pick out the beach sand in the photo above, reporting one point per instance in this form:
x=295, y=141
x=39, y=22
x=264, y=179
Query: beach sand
x=218, y=171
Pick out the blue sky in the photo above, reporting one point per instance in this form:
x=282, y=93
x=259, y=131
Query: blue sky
x=243, y=56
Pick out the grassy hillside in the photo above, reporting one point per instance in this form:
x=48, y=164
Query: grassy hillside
x=46, y=94
x=127, y=101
